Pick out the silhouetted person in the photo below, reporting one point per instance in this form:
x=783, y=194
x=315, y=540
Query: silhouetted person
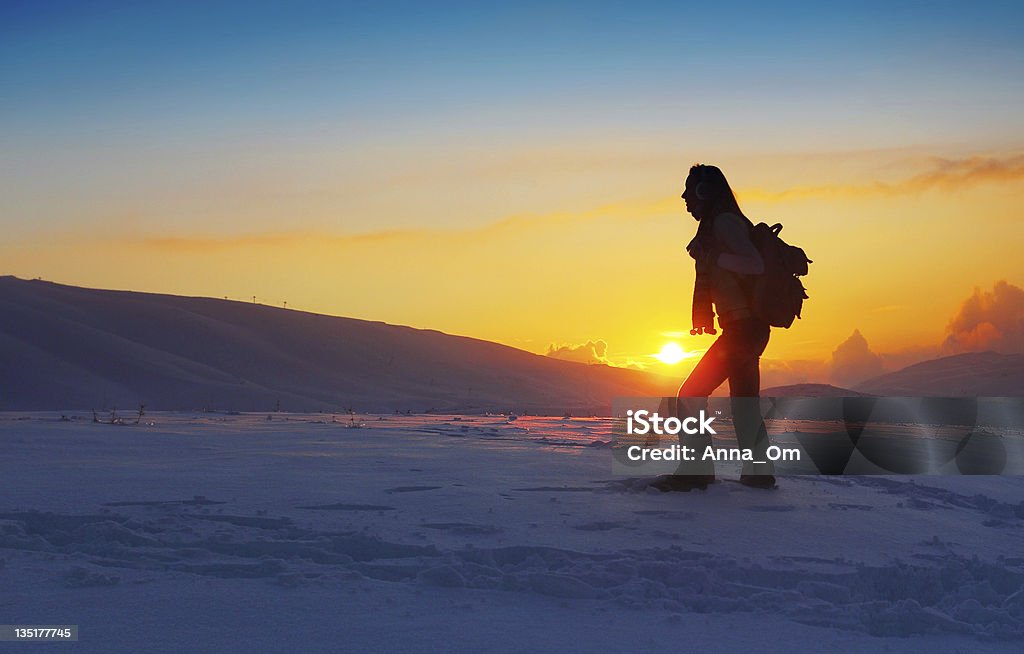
x=725, y=259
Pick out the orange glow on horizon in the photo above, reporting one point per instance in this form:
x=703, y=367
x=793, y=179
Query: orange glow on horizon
x=895, y=265
x=671, y=354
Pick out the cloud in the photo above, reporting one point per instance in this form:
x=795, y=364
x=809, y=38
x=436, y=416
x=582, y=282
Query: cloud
x=945, y=175
x=522, y=223
x=988, y=321
x=589, y=352
x=853, y=361
x=205, y=243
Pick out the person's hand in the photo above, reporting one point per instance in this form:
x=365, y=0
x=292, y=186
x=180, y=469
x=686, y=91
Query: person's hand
x=698, y=331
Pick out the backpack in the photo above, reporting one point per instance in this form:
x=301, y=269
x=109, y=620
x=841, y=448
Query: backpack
x=777, y=296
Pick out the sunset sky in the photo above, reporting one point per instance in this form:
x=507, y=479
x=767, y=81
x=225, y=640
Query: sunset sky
x=512, y=172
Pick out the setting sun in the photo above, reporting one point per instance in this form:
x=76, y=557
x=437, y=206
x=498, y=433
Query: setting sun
x=670, y=354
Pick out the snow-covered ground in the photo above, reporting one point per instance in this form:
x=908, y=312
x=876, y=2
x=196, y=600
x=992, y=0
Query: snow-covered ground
x=211, y=532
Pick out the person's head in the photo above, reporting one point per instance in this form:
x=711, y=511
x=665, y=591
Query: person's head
x=707, y=193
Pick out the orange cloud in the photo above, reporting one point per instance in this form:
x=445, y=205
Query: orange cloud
x=986, y=321
x=589, y=352
x=989, y=321
x=853, y=361
x=200, y=243
x=946, y=175
x=628, y=210
x=593, y=352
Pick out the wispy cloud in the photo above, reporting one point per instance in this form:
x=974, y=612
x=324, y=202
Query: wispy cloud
x=207, y=243
x=198, y=243
x=945, y=175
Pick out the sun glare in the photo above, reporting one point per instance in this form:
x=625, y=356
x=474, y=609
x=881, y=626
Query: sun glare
x=670, y=354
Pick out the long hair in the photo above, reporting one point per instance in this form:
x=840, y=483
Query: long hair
x=712, y=188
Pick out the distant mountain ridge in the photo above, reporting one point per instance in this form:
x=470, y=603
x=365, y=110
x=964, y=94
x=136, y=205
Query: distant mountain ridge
x=974, y=374
x=809, y=390
x=66, y=347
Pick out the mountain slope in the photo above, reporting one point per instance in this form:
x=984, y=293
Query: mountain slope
x=66, y=347
x=809, y=390
x=975, y=374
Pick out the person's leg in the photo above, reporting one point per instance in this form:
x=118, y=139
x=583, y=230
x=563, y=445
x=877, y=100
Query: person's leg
x=744, y=392
x=692, y=398
x=709, y=373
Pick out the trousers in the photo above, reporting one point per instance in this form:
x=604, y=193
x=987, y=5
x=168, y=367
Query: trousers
x=734, y=356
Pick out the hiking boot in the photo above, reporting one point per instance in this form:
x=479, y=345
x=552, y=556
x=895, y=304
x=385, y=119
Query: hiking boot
x=758, y=481
x=682, y=483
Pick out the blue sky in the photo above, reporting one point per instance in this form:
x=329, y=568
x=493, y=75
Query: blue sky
x=113, y=98
x=237, y=148
x=207, y=66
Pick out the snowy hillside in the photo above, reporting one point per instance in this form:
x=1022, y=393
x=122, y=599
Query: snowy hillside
x=976, y=374
x=443, y=533
x=68, y=347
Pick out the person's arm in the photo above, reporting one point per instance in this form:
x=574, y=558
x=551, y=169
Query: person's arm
x=739, y=254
